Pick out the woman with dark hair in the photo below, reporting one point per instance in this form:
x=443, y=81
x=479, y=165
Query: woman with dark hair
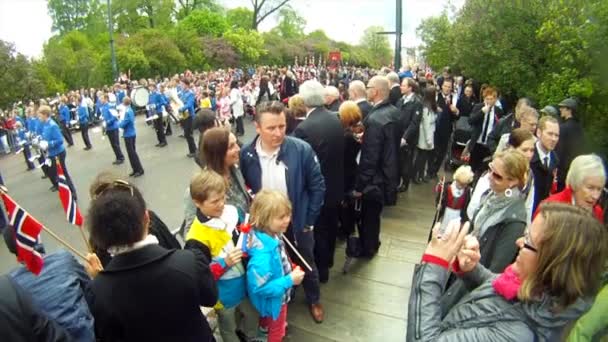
x=551, y=283
x=237, y=107
x=157, y=227
x=466, y=102
x=220, y=150
x=204, y=120
x=125, y=297
x=426, y=134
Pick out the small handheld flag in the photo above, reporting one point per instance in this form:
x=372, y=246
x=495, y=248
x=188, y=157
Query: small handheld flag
x=27, y=234
x=66, y=196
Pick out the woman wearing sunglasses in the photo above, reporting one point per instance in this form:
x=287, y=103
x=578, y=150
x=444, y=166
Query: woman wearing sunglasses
x=550, y=284
x=500, y=218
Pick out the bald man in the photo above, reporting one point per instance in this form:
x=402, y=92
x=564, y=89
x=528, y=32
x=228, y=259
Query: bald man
x=378, y=173
x=357, y=93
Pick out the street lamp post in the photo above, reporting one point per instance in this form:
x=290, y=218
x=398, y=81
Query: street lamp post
x=398, y=32
x=111, y=28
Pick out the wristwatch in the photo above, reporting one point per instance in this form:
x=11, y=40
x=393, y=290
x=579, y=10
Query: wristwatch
x=309, y=228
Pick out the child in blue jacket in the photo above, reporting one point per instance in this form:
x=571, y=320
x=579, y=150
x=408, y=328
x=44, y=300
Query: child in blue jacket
x=270, y=275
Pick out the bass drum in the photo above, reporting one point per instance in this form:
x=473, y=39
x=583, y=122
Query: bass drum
x=140, y=97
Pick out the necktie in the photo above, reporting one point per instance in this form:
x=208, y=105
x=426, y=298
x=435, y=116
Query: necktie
x=547, y=162
x=484, y=134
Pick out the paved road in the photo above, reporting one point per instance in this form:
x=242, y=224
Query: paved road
x=368, y=304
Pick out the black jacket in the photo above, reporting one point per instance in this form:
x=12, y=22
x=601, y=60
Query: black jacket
x=506, y=125
x=378, y=174
x=154, y=294
x=20, y=320
x=334, y=106
x=323, y=131
x=395, y=95
x=365, y=108
x=288, y=88
x=409, y=121
x=443, y=125
x=570, y=145
x=543, y=177
x=351, y=149
x=476, y=120
x=465, y=105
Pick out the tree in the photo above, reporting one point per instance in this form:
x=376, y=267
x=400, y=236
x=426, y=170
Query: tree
x=69, y=15
x=263, y=8
x=18, y=76
x=291, y=24
x=378, y=47
x=205, y=23
x=219, y=53
x=239, y=17
x=185, y=7
x=133, y=15
x=248, y=44
x=436, y=40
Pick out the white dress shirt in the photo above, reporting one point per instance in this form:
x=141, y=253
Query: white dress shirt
x=273, y=170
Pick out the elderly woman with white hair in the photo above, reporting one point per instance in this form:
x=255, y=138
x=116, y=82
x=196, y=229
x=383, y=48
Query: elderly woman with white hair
x=332, y=99
x=584, y=184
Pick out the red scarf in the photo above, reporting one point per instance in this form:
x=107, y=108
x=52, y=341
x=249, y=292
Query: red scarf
x=507, y=284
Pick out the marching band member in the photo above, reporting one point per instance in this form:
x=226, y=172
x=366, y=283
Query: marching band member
x=165, y=100
x=64, y=120
x=187, y=97
x=155, y=107
x=52, y=141
x=127, y=123
x=83, y=118
x=111, y=122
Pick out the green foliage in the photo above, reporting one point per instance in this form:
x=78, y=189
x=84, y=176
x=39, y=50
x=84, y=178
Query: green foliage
x=544, y=49
x=291, y=24
x=134, y=15
x=69, y=15
x=248, y=44
x=239, y=17
x=437, y=41
x=377, y=45
x=205, y=23
x=185, y=7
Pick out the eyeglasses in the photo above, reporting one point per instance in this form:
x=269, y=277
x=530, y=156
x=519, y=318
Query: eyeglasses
x=116, y=184
x=495, y=174
x=528, y=242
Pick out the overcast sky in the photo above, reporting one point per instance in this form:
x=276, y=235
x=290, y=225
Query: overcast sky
x=27, y=23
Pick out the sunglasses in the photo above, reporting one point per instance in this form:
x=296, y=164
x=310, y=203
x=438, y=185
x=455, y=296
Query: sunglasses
x=117, y=184
x=528, y=242
x=495, y=174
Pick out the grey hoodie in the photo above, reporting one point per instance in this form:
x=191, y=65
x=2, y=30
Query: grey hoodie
x=482, y=315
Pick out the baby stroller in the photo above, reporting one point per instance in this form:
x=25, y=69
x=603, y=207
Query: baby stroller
x=458, y=144
x=353, y=243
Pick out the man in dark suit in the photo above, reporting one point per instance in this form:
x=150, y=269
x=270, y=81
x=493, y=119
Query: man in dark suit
x=544, y=163
x=288, y=85
x=323, y=131
x=483, y=120
x=443, y=126
x=378, y=174
x=410, y=110
x=395, y=94
x=571, y=141
x=357, y=93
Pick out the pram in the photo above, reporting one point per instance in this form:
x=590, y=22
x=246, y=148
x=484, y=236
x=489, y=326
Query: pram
x=458, y=143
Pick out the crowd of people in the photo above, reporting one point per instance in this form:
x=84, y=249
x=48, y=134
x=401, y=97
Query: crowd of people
x=333, y=147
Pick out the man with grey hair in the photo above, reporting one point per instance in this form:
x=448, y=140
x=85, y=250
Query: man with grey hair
x=378, y=173
x=332, y=99
x=395, y=93
x=357, y=93
x=323, y=131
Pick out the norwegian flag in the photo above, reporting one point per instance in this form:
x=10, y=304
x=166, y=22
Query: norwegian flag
x=27, y=235
x=72, y=212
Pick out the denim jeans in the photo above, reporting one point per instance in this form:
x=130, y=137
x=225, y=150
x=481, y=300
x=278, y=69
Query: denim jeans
x=305, y=243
